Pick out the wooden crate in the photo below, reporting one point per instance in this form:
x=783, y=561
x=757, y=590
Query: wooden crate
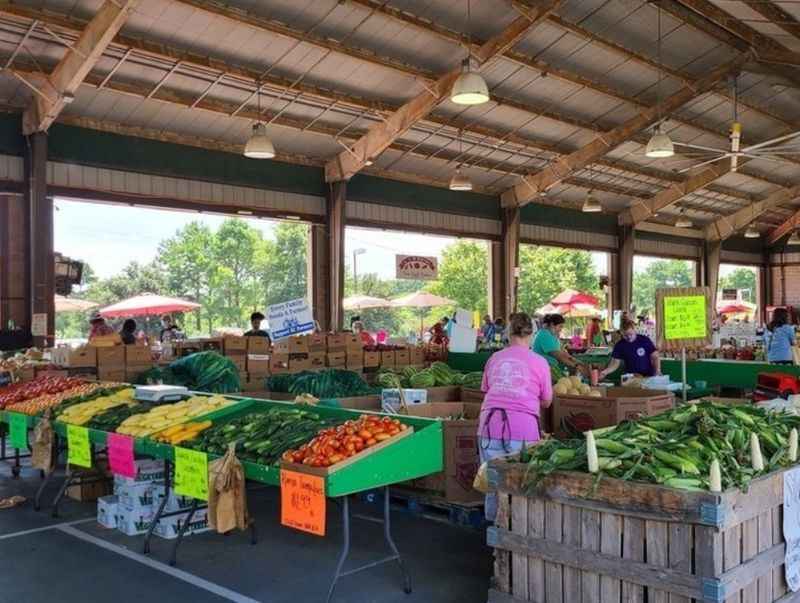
x=633, y=542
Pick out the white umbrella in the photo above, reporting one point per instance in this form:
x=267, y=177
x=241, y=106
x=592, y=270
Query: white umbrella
x=363, y=302
x=421, y=299
x=66, y=304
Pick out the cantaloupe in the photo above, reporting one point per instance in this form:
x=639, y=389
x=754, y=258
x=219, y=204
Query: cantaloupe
x=595, y=393
x=576, y=381
x=561, y=389
x=584, y=389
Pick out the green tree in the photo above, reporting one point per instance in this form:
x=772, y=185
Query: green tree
x=658, y=275
x=464, y=276
x=547, y=271
x=741, y=278
x=396, y=321
x=234, y=286
x=283, y=267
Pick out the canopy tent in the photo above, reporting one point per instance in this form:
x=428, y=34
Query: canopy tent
x=571, y=297
x=364, y=302
x=67, y=304
x=570, y=310
x=147, y=304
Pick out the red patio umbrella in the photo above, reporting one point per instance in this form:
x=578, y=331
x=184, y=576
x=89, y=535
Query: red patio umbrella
x=570, y=297
x=736, y=308
x=147, y=304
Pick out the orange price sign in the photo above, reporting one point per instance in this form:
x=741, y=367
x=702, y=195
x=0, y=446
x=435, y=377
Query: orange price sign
x=303, y=502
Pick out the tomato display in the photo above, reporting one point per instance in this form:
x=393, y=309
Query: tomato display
x=43, y=386
x=335, y=444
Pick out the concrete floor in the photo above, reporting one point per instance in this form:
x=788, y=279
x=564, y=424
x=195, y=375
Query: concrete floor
x=72, y=559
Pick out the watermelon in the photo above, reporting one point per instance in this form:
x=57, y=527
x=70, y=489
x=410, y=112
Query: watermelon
x=442, y=374
x=423, y=380
x=473, y=380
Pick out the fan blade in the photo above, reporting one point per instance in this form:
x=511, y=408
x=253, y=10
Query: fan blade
x=704, y=163
x=764, y=158
x=699, y=147
x=768, y=143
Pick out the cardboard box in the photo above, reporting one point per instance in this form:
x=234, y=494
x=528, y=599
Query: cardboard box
x=111, y=356
x=416, y=356
x=390, y=398
x=139, y=495
x=469, y=394
x=107, y=511
x=401, y=357
x=355, y=357
x=175, y=502
x=618, y=404
x=388, y=359
x=298, y=364
x=361, y=402
x=296, y=344
x=133, y=522
x=114, y=374
x=254, y=383
x=278, y=363
x=337, y=342
x=258, y=364
x=43, y=371
x=337, y=359
x=132, y=373
x=82, y=357
x=317, y=359
x=353, y=344
x=372, y=359
x=197, y=344
x=258, y=345
x=90, y=491
x=444, y=393
x=234, y=344
x=147, y=471
x=317, y=342
x=239, y=361
x=170, y=527
x=460, y=459
x=138, y=355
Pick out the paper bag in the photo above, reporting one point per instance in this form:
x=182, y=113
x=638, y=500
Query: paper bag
x=227, y=500
x=481, y=481
x=42, y=447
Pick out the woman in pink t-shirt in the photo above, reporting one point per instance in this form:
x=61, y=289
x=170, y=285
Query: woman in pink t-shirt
x=517, y=384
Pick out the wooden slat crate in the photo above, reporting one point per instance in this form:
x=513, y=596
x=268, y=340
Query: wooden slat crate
x=627, y=542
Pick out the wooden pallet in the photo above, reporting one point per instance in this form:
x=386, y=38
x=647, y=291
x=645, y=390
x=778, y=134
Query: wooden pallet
x=430, y=507
x=565, y=543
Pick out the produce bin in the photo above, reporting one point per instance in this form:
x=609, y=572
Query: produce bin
x=566, y=541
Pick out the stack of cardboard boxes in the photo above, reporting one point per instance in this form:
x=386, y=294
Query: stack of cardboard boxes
x=138, y=359
x=133, y=506
x=111, y=363
x=258, y=359
x=81, y=361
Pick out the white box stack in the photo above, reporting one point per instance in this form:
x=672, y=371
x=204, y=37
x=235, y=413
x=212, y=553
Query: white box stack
x=135, y=497
x=107, y=511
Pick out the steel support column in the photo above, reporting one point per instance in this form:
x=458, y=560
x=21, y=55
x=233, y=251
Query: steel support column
x=510, y=229
x=15, y=302
x=335, y=219
x=318, y=274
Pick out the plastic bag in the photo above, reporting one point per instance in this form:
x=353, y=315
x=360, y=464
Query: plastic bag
x=227, y=500
x=42, y=446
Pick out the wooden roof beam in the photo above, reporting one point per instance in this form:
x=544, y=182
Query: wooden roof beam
x=729, y=225
x=784, y=229
x=381, y=135
x=776, y=15
x=58, y=89
x=530, y=187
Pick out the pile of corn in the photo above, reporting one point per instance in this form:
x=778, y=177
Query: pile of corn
x=182, y=433
x=167, y=415
x=82, y=413
x=678, y=448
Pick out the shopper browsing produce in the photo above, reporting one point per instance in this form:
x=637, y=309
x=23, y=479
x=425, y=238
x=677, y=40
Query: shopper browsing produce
x=517, y=384
x=358, y=329
x=128, y=332
x=779, y=338
x=255, y=326
x=487, y=330
x=99, y=327
x=548, y=343
x=637, y=352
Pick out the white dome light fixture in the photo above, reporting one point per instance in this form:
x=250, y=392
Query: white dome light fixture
x=794, y=239
x=259, y=146
x=591, y=205
x=751, y=233
x=470, y=88
x=460, y=181
x=683, y=221
x=660, y=145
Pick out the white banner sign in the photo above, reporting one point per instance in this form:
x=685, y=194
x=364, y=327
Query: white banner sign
x=39, y=325
x=791, y=526
x=290, y=318
x=417, y=267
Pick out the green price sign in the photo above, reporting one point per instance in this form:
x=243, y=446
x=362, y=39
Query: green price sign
x=79, y=450
x=191, y=473
x=18, y=426
x=685, y=317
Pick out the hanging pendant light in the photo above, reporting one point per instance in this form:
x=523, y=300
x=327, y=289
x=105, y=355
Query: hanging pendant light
x=460, y=181
x=794, y=239
x=683, y=221
x=660, y=145
x=259, y=146
x=469, y=88
x=751, y=233
x=591, y=205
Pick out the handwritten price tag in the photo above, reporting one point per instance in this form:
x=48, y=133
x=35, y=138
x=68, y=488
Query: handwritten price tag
x=303, y=502
x=191, y=473
x=685, y=317
x=79, y=450
x=18, y=426
x=120, y=455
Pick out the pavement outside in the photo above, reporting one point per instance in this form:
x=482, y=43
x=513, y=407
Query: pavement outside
x=72, y=559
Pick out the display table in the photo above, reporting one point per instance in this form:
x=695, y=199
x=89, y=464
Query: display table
x=739, y=374
x=468, y=362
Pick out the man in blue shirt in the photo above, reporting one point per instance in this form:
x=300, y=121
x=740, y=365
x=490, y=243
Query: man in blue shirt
x=637, y=352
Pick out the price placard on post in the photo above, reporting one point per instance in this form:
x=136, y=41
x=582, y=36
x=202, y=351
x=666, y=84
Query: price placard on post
x=683, y=317
x=120, y=455
x=18, y=426
x=79, y=450
x=191, y=473
x=303, y=502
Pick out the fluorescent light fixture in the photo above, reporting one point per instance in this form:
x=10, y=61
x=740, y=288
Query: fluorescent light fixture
x=470, y=87
x=259, y=146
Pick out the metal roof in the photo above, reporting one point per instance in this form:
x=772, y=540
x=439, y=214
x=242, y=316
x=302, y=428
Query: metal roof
x=333, y=68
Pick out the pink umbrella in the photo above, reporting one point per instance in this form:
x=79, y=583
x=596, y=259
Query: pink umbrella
x=570, y=297
x=147, y=304
x=736, y=308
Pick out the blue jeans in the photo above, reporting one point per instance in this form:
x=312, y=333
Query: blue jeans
x=493, y=449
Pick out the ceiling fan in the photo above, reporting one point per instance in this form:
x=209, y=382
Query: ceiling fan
x=770, y=150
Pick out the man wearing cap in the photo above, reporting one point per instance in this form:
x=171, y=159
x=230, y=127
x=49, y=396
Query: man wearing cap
x=99, y=326
x=255, y=323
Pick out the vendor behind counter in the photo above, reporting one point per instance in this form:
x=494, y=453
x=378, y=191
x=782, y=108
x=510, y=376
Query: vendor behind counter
x=636, y=351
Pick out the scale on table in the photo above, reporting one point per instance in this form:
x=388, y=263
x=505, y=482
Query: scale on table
x=160, y=393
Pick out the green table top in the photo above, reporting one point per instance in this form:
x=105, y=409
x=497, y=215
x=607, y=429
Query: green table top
x=724, y=373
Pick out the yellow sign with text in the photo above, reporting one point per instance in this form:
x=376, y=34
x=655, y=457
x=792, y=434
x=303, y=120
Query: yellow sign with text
x=685, y=317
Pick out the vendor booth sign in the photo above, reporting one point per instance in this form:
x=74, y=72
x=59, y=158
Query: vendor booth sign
x=417, y=267
x=683, y=317
x=290, y=318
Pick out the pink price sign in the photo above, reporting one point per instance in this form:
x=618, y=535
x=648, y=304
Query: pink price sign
x=120, y=455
